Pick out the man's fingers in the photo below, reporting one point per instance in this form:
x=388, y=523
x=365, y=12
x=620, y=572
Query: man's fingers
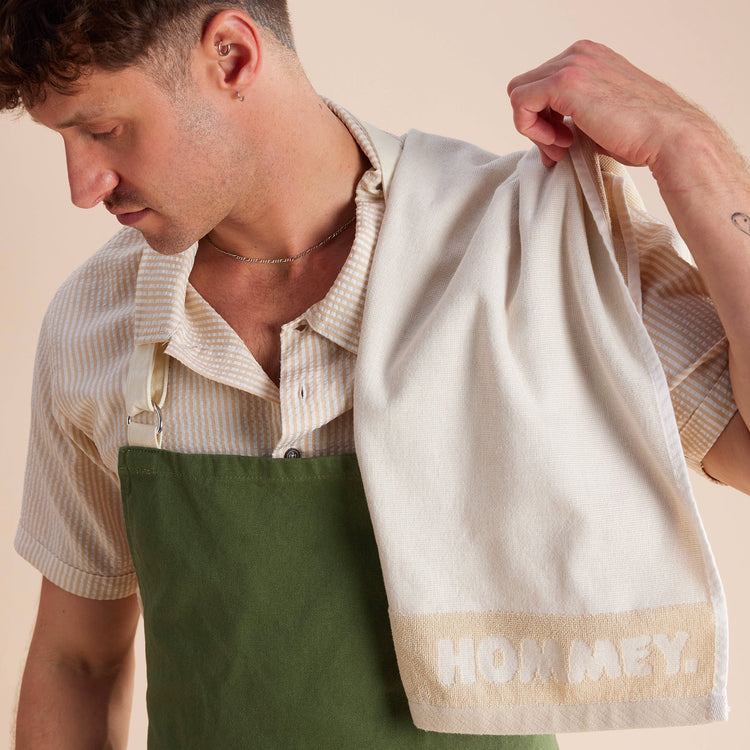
x=629, y=114
x=551, y=66
x=549, y=134
x=559, y=88
x=563, y=134
x=535, y=119
x=551, y=154
x=583, y=54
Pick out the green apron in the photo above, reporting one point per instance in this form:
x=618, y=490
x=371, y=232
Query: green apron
x=264, y=607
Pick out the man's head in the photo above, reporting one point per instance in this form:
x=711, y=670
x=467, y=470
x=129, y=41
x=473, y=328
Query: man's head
x=147, y=96
x=51, y=44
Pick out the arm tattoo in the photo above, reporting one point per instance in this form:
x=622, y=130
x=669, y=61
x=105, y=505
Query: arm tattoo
x=742, y=222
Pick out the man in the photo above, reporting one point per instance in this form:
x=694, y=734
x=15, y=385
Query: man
x=242, y=156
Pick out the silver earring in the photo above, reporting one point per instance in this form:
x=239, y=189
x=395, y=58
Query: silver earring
x=240, y=98
x=223, y=50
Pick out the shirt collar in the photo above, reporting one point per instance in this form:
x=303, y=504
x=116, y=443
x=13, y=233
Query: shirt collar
x=160, y=293
x=338, y=316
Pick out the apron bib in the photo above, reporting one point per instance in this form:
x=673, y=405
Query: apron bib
x=265, y=613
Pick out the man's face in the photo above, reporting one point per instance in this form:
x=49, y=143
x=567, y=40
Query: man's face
x=157, y=161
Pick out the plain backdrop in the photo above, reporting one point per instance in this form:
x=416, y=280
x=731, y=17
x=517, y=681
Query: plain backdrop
x=429, y=64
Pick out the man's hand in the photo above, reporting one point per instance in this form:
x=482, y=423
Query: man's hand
x=630, y=115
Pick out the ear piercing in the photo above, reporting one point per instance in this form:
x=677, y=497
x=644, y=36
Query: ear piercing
x=223, y=50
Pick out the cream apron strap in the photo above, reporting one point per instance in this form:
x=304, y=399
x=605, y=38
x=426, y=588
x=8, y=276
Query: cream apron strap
x=388, y=148
x=145, y=391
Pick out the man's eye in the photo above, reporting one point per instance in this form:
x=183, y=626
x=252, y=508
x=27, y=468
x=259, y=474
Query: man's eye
x=104, y=134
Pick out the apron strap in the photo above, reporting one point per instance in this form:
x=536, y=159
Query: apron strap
x=145, y=391
x=388, y=148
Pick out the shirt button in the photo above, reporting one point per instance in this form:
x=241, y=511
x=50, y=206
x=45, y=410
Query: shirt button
x=292, y=453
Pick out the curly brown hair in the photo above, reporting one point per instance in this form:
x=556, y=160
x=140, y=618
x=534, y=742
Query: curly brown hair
x=52, y=43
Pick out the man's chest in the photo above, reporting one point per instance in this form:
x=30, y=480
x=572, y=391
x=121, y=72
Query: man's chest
x=258, y=300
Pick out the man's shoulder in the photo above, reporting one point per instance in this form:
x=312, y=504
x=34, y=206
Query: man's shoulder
x=451, y=181
x=107, y=277
x=100, y=293
x=444, y=153
x=449, y=174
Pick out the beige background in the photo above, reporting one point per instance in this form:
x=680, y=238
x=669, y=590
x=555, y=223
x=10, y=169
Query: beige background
x=429, y=64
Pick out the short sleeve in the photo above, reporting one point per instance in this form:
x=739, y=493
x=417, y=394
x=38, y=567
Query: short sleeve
x=681, y=320
x=689, y=338
x=71, y=527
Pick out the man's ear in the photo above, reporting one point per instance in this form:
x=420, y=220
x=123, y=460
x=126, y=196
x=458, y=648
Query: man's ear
x=232, y=49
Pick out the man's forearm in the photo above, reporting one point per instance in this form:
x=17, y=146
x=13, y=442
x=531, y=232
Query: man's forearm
x=67, y=705
x=706, y=187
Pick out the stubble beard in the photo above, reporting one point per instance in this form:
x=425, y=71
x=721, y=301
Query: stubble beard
x=200, y=168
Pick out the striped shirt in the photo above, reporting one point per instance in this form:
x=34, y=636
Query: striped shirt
x=220, y=400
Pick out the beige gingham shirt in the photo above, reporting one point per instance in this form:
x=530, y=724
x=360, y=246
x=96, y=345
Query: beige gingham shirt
x=220, y=401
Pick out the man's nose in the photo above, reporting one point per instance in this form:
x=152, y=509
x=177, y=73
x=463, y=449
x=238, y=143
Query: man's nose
x=89, y=177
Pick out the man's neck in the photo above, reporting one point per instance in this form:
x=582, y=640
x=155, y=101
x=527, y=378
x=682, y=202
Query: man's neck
x=304, y=181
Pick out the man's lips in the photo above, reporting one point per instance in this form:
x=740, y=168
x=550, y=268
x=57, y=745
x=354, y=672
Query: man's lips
x=129, y=218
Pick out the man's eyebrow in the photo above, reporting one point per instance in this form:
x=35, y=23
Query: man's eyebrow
x=76, y=119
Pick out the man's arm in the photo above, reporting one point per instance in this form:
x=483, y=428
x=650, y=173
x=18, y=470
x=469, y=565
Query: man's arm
x=704, y=182
x=728, y=458
x=78, y=683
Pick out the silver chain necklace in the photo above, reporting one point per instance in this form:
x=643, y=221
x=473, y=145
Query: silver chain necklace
x=284, y=260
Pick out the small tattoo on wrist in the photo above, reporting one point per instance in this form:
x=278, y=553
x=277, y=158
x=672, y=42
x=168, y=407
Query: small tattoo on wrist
x=742, y=222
